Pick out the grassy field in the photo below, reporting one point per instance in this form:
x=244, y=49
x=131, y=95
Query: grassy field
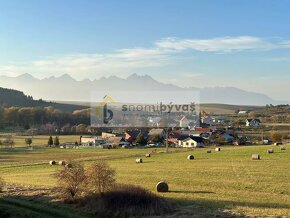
x=226, y=180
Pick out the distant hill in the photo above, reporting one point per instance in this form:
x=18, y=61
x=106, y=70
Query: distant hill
x=65, y=88
x=11, y=97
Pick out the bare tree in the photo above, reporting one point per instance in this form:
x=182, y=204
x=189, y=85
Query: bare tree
x=71, y=180
x=101, y=177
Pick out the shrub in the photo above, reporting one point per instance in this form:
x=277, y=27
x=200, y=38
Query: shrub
x=101, y=177
x=2, y=184
x=56, y=141
x=28, y=141
x=276, y=136
x=50, y=141
x=71, y=180
x=127, y=201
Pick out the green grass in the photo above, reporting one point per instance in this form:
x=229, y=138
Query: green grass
x=221, y=180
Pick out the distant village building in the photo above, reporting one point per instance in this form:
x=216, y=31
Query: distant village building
x=184, y=122
x=131, y=135
x=160, y=132
x=91, y=140
x=253, y=122
x=191, y=142
x=116, y=141
x=218, y=120
x=106, y=135
x=207, y=120
x=243, y=112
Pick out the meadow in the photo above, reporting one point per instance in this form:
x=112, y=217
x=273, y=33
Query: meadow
x=217, y=181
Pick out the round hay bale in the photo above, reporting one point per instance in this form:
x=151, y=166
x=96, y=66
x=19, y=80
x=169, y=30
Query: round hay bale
x=218, y=149
x=256, y=157
x=190, y=157
x=270, y=151
x=148, y=155
x=62, y=163
x=208, y=151
x=162, y=187
x=68, y=165
x=52, y=162
x=282, y=148
x=139, y=160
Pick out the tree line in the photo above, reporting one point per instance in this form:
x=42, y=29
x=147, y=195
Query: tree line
x=28, y=117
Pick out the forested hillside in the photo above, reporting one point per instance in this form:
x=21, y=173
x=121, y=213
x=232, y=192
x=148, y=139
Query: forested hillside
x=14, y=98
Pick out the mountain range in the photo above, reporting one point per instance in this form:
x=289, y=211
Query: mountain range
x=65, y=88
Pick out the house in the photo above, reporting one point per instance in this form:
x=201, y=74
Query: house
x=116, y=141
x=91, y=140
x=202, y=129
x=160, y=132
x=207, y=120
x=184, y=122
x=191, y=142
x=218, y=120
x=253, y=122
x=131, y=135
x=106, y=135
x=243, y=112
x=228, y=138
x=167, y=122
x=156, y=135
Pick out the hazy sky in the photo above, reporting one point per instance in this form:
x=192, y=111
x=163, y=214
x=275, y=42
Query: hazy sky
x=240, y=43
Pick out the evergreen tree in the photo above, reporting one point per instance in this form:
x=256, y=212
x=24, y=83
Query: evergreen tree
x=50, y=141
x=140, y=139
x=56, y=141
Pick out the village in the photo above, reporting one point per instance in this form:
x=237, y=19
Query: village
x=211, y=130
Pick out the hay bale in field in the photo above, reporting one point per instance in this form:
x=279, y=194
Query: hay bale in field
x=162, y=187
x=139, y=160
x=278, y=143
x=62, y=163
x=52, y=162
x=68, y=165
x=256, y=157
x=218, y=149
x=190, y=157
x=270, y=151
x=147, y=155
x=282, y=148
x=208, y=151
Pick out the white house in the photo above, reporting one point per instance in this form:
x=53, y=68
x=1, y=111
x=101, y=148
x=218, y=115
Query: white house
x=253, y=122
x=243, y=112
x=191, y=142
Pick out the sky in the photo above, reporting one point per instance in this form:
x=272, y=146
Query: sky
x=190, y=43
